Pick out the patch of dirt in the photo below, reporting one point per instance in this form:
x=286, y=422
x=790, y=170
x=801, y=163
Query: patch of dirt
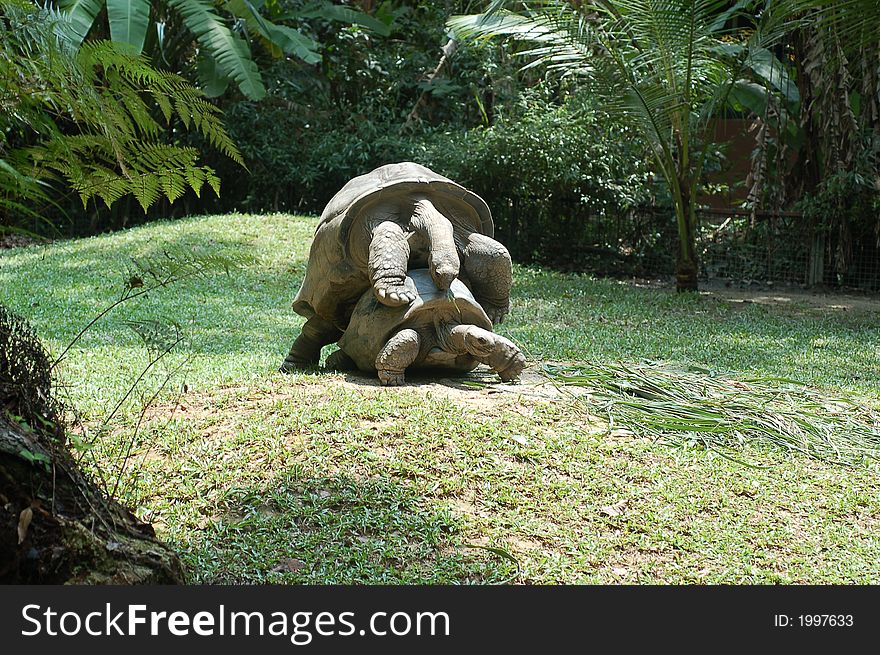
x=480, y=390
x=192, y=408
x=829, y=302
x=16, y=241
x=794, y=297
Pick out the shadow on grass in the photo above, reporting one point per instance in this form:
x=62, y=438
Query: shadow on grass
x=418, y=378
x=335, y=530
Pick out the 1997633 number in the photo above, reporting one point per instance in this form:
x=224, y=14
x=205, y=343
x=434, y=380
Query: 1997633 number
x=821, y=620
x=813, y=621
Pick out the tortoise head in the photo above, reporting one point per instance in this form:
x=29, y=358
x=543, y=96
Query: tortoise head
x=443, y=270
x=479, y=342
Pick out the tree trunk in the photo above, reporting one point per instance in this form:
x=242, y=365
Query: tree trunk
x=687, y=266
x=56, y=525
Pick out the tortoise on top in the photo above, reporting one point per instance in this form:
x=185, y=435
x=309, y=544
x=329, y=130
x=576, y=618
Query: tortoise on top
x=376, y=228
x=444, y=330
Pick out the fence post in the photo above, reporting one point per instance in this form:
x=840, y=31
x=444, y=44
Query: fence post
x=816, y=264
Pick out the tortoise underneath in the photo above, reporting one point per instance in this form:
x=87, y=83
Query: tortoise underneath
x=445, y=330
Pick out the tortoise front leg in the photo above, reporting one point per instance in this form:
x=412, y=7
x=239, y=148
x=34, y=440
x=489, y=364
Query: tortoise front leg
x=394, y=358
x=306, y=350
x=388, y=259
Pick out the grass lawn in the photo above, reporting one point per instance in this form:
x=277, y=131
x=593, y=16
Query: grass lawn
x=325, y=478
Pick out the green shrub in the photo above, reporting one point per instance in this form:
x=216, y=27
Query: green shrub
x=845, y=207
x=554, y=175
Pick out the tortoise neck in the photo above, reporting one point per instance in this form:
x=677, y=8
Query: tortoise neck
x=448, y=337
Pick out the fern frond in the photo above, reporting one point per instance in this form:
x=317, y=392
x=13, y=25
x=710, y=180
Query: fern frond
x=110, y=101
x=196, y=177
x=212, y=179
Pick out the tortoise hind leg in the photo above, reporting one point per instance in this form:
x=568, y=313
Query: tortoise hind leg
x=487, y=266
x=401, y=350
x=306, y=350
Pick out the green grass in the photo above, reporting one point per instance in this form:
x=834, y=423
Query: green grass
x=319, y=478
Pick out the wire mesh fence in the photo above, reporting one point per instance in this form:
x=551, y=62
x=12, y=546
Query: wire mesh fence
x=737, y=245
x=784, y=247
x=734, y=246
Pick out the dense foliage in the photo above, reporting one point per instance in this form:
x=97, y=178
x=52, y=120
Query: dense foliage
x=546, y=158
x=553, y=173
x=547, y=169
x=92, y=120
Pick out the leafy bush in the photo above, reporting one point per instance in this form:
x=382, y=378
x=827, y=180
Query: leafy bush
x=845, y=208
x=553, y=174
x=321, y=125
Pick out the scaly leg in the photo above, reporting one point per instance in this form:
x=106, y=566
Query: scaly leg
x=306, y=350
x=388, y=259
x=437, y=231
x=400, y=351
x=487, y=266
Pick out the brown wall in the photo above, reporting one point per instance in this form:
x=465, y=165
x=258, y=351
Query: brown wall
x=740, y=143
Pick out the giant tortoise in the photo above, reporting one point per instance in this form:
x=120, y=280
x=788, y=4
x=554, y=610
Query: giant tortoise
x=379, y=226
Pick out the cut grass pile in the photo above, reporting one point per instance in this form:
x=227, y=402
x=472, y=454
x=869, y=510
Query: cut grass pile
x=319, y=478
x=722, y=414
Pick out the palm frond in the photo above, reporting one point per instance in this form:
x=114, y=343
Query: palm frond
x=277, y=38
x=82, y=15
x=724, y=414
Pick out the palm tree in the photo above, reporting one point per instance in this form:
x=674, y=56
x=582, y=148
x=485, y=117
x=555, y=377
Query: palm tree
x=665, y=67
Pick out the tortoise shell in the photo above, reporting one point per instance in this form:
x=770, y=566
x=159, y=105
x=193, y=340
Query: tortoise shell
x=405, y=178
x=373, y=324
x=335, y=279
